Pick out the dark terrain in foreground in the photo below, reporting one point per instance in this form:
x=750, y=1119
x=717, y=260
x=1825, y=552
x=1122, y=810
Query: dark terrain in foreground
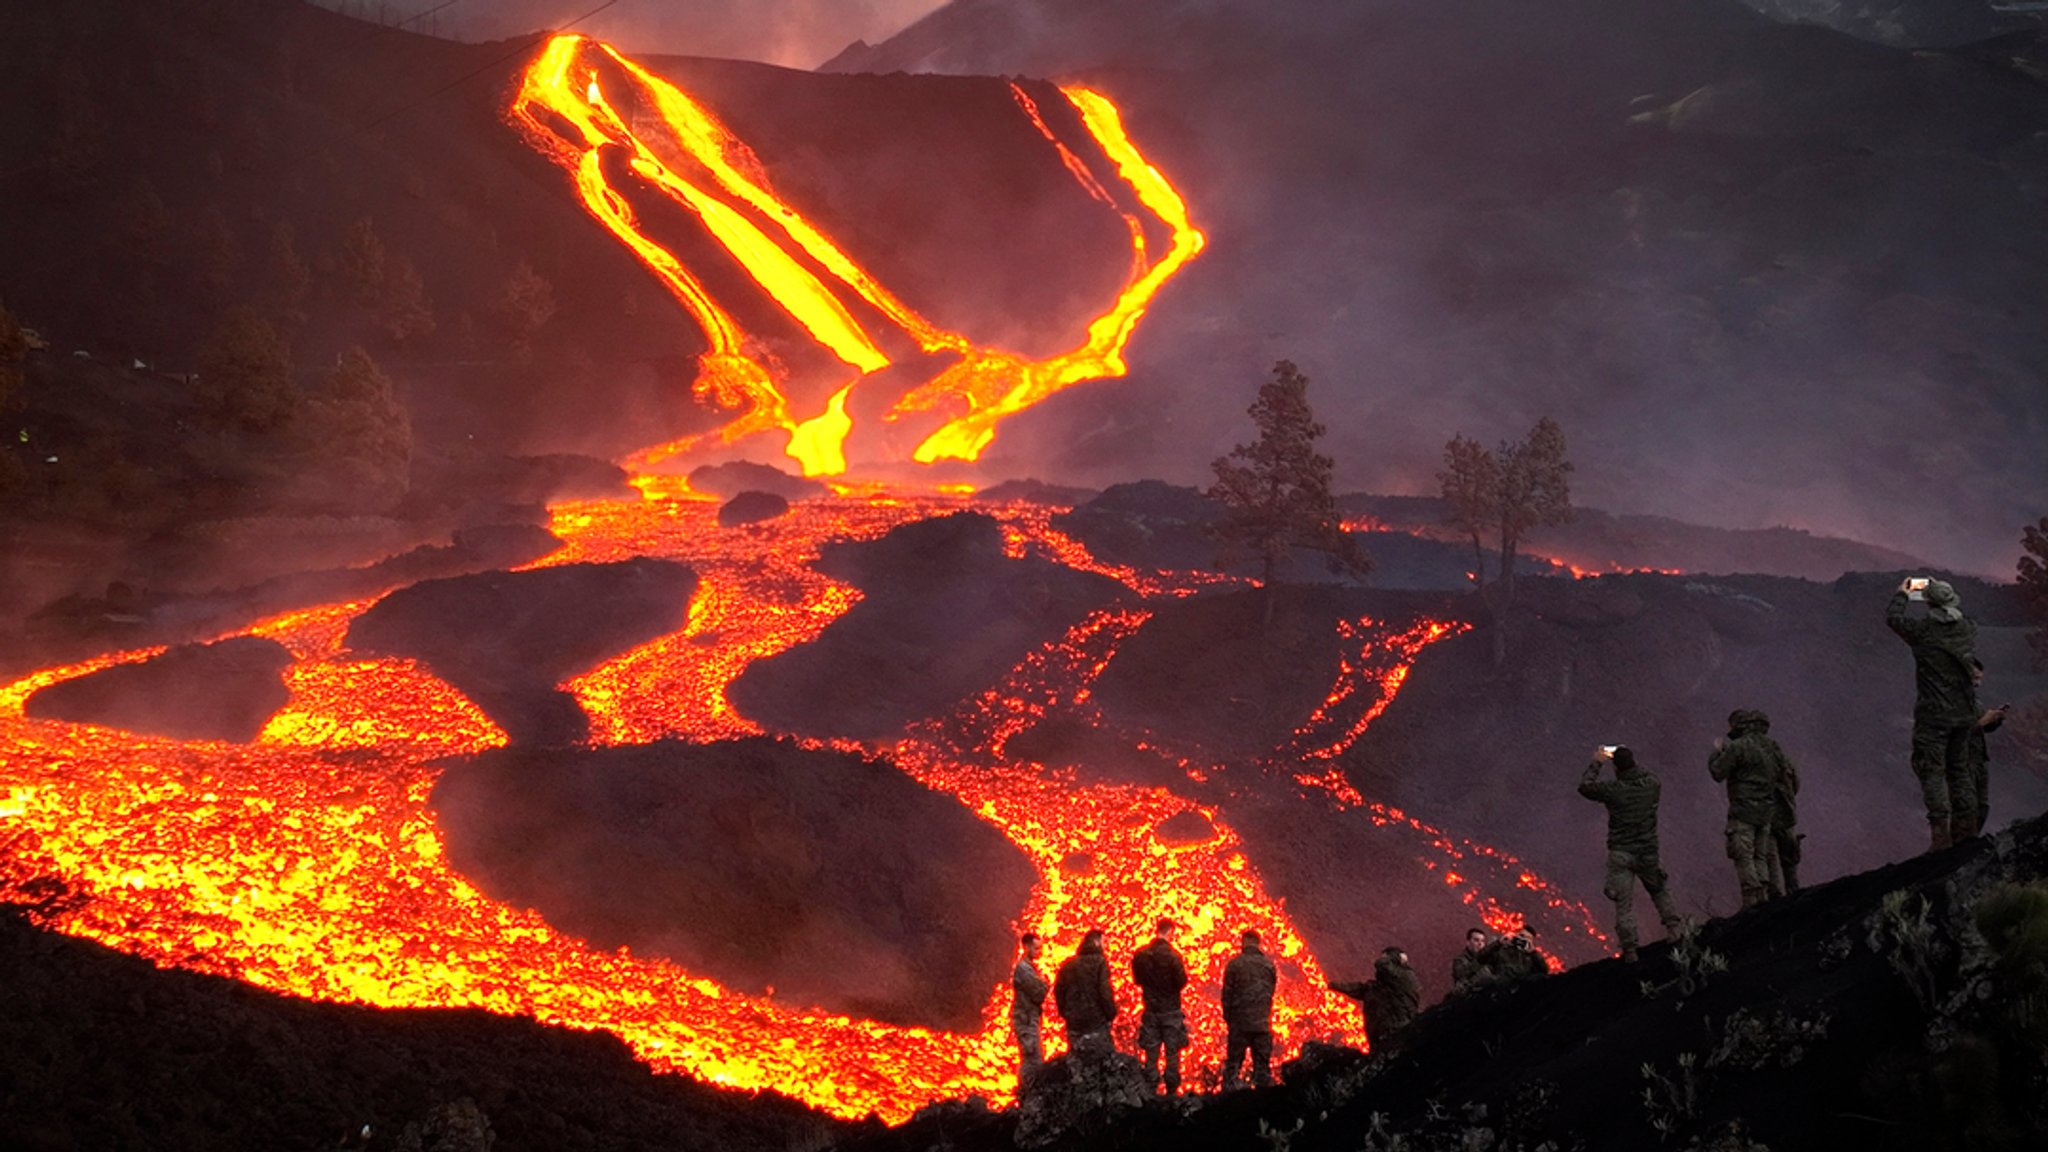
x=1895, y=1009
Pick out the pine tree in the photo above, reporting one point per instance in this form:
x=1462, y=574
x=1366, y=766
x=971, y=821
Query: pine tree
x=13, y=350
x=362, y=264
x=2033, y=586
x=526, y=304
x=246, y=369
x=403, y=313
x=289, y=278
x=1276, y=490
x=357, y=431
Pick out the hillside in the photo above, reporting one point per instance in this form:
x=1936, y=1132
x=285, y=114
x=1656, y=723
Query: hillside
x=1763, y=274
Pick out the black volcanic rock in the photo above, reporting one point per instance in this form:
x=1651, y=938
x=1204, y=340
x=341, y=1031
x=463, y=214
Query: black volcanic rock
x=836, y=880
x=740, y=476
x=944, y=615
x=101, y=1050
x=226, y=690
x=506, y=639
x=1212, y=674
x=1034, y=491
x=750, y=508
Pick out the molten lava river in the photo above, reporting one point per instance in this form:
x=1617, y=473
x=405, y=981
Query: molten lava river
x=309, y=862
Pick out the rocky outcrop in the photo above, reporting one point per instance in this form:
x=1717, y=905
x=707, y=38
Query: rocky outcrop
x=836, y=880
x=226, y=690
x=944, y=614
x=735, y=477
x=750, y=508
x=508, y=639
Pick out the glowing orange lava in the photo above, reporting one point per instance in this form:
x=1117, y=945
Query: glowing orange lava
x=308, y=861
x=562, y=110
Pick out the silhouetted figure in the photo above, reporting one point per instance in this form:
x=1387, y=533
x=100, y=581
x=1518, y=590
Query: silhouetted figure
x=1027, y=1009
x=1389, y=1001
x=1750, y=763
x=1944, y=644
x=1786, y=838
x=1082, y=993
x=1248, y=983
x=1977, y=756
x=1466, y=968
x=1162, y=1029
x=1631, y=799
x=1512, y=959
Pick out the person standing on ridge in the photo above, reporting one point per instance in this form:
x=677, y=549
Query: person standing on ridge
x=1977, y=754
x=1248, y=983
x=1081, y=991
x=1162, y=1028
x=1468, y=971
x=1751, y=764
x=1631, y=798
x=1944, y=644
x=1027, y=1009
x=1389, y=1001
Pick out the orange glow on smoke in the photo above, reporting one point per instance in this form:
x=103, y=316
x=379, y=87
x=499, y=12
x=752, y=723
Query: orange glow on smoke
x=562, y=111
x=308, y=861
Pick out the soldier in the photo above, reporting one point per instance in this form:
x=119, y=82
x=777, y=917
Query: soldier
x=1944, y=644
x=1162, y=1029
x=1082, y=993
x=1977, y=753
x=1389, y=1001
x=1751, y=764
x=1248, y=982
x=1512, y=958
x=1027, y=1008
x=1785, y=850
x=1632, y=852
x=1466, y=969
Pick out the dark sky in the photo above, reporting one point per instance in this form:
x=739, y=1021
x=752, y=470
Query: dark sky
x=796, y=33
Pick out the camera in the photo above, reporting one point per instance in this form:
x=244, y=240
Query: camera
x=1607, y=750
x=1521, y=942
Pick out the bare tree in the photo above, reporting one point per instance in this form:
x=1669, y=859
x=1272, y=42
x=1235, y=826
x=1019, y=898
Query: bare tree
x=1503, y=493
x=1276, y=490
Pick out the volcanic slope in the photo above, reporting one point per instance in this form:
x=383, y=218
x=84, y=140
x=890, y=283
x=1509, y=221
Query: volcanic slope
x=1494, y=752
x=364, y=185
x=1889, y=1010
x=1642, y=219
x=102, y=1050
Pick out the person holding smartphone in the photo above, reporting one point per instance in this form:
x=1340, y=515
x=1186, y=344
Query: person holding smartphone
x=1944, y=644
x=1631, y=797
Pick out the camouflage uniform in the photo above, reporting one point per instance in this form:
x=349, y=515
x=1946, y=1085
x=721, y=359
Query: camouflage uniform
x=1027, y=1008
x=1785, y=834
x=1511, y=960
x=1467, y=971
x=1632, y=851
x=1977, y=760
x=1944, y=646
x=1751, y=764
x=1162, y=1029
x=1389, y=1001
x=1082, y=993
x=1248, y=983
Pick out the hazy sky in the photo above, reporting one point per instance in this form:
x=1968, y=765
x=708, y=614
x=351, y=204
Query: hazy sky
x=796, y=33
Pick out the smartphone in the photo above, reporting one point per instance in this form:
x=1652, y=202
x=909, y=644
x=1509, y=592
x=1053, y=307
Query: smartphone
x=1607, y=751
x=1916, y=588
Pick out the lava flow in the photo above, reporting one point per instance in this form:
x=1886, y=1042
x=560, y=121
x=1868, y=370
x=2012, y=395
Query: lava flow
x=309, y=862
x=562, y=110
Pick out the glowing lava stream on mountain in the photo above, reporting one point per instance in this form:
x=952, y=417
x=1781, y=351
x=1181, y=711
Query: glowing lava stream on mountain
x=562, y=111
x=309, y=862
